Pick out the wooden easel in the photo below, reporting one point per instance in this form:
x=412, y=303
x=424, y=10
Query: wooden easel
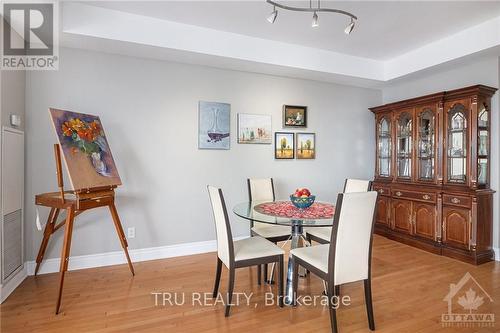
x=74, y=202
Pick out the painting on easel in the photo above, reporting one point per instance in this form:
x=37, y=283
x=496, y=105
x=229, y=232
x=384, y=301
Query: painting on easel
x=85, y=149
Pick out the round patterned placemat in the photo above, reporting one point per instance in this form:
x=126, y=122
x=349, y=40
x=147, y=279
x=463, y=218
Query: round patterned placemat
x=286, y=209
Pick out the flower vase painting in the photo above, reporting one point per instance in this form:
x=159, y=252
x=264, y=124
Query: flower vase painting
x=85, y=149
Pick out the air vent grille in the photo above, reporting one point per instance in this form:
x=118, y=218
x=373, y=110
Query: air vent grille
x=12, y=243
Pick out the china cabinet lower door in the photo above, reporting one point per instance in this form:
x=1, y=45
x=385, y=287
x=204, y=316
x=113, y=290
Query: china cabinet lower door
x=383, y=211
x=456, y=222
x=401, y=213
x=425, y=220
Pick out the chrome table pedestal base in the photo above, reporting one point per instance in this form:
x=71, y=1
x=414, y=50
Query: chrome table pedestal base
x=297, y=240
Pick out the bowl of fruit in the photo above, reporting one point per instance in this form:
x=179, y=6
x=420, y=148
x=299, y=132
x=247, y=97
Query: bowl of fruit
x=302, y=198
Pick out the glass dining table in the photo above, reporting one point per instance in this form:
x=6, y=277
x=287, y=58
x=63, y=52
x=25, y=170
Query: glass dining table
x=283, y=213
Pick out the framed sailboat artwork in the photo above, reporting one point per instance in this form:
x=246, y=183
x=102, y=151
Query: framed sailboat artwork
x=214, y=125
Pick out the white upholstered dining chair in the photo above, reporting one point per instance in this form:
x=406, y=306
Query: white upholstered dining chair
x=252, y=251
x=347, y=258
x=322, y=234
x=262, y=189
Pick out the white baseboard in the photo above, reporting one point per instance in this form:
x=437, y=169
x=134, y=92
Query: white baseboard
x=118, y=257
x=497, y=253
x=7, y=288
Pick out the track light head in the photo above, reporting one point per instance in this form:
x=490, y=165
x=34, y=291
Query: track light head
x=350, y=27
x=315, y=22
x=272, y=17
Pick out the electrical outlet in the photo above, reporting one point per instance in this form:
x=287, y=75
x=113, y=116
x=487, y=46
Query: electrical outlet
x=131, y=232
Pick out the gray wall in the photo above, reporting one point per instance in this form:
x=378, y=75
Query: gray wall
x=12, y=89
x=13, y=83
x=149, y=111
x=483, y=71
x=12, y=100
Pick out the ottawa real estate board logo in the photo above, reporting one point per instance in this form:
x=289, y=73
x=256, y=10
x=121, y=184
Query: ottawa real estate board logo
x=466, y=301
x=30, y=35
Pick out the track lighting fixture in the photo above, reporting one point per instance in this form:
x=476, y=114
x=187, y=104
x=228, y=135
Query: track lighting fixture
x=311, y=9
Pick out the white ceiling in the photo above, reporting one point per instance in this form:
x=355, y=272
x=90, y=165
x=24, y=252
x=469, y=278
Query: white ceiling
x=384, y=29
x=393, y=40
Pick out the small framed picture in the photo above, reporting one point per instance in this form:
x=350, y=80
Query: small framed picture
x=306, y=146
x=284, y=148
x=254, y=128
x=294, y=116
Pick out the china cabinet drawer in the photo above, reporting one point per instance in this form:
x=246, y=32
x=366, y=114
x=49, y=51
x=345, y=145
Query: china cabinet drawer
x=457, y=200
x=420, y=196
x=382, y=190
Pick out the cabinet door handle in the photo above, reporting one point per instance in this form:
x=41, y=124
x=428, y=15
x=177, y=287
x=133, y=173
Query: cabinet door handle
x=381, y=191
x=399, y=193
x=455, y=200
x=426, y=197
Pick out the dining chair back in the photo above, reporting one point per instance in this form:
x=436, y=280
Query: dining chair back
x=322, y=234
x=348, y=256
x=357, y=185
x=260, y=189
x=225, y=248
x=351, y=239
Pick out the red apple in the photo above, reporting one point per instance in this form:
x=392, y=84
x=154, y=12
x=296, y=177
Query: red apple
x=302, y=192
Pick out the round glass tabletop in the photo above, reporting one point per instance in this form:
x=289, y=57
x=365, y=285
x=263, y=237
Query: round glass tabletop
x=320, y=214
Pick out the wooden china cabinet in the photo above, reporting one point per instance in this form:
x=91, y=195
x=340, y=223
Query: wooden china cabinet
x=432, y=173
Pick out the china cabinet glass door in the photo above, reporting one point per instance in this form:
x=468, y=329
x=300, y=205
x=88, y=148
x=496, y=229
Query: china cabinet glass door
x=426, y=145
x=483, y=149
x=404, y=145
x=457, y=144
x=384, y=147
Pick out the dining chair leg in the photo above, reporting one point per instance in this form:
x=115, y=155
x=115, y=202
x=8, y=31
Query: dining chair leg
x=369, y=304
x=337, y=290
x=268, y=279
x=259, y=273
x=281, y=269
x=217, y=278
x=230, y=291
x=274, y=264
x=295, y=283
x=333, y=311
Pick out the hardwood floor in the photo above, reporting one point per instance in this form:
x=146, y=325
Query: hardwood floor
x=408, y=290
